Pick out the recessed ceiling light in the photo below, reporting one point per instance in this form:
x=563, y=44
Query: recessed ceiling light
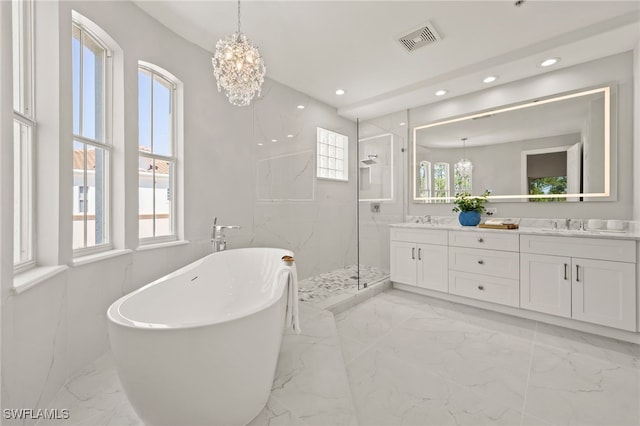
x=549, y=62
x=403, y=123
x=260, y=144
x=441, y=92
x=490, y=79
x=300, y=106
x=274, y=140
x=339, y=92
x=289, y=136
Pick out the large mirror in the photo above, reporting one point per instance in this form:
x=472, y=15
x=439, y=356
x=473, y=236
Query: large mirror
x=549, y=149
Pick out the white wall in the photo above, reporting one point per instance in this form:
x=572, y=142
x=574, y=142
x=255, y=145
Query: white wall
x=617, y=69
x=58, y=326
x=636, y=131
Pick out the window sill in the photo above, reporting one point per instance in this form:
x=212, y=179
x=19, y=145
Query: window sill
x=30, y=278
x=84, y=260
x=163, y=245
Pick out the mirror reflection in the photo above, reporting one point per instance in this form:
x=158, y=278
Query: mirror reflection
x=552, y=149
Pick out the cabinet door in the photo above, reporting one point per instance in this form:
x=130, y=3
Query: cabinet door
x=545, y=284
x=403, y=262
x=432, y=267
x=604, y=292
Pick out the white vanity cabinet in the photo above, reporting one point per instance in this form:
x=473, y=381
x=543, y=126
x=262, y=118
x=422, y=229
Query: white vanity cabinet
x=419, y=257
x=588, y=279
x=484, y=266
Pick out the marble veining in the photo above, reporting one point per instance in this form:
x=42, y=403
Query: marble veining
x=404, y=359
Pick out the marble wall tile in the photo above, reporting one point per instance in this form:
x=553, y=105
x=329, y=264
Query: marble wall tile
x=569, y=388
x=34, y=334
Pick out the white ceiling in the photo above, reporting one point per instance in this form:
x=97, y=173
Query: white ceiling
x=317, y=47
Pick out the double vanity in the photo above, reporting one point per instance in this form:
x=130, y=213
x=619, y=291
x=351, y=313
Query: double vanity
x=577, y=279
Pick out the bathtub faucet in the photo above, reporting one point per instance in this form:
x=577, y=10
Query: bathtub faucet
x=218, y=242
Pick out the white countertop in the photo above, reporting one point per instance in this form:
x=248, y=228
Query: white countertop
x=632, y=231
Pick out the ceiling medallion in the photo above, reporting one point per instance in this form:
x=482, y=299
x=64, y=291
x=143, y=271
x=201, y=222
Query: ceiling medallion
x=238, y=67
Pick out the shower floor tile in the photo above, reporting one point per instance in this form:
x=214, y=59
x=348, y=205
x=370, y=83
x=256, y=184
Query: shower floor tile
x=319, y=288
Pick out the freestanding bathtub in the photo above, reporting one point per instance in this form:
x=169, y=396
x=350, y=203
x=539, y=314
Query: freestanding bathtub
x=200, y=345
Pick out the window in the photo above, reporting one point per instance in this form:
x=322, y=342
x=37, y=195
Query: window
x=424, y=175
x=157, y=157
x=91, y=142
x=441, y=181
x=462, y=173
x=23, y=134
x=332, y=155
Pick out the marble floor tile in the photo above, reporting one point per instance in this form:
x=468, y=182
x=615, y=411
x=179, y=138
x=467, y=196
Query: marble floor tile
x=485, y=361
x=389, y=391
x=569, y=388
x=276, y=414
x=603, y=348
x=372, y=319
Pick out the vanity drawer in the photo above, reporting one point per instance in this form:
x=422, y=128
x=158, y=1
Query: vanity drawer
x=423, y=236
x=491, y=289
x=485, y=240
x=504, y=264
x=589, y=248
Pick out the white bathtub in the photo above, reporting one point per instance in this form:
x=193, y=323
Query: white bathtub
x=200, y=345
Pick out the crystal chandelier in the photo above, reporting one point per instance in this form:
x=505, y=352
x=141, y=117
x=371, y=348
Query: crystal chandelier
x=238, y=67
x=464, y=167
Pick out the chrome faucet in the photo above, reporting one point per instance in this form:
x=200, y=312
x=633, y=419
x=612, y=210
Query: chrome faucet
x=218, y=242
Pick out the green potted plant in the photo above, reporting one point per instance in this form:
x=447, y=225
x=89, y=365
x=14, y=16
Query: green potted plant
x=470, y=207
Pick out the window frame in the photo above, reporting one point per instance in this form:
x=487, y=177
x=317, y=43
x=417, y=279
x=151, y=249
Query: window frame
x=23, y=73
x=174, y=159
x=345, y=159
x=106, y=144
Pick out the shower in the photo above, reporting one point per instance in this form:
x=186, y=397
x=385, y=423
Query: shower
x=370, y=159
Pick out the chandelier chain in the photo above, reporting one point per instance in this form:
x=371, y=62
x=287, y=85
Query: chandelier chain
x=239, y=17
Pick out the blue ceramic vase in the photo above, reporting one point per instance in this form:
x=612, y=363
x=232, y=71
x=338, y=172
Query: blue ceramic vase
x=469, y=218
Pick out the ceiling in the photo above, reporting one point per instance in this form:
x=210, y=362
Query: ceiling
x=317, y=47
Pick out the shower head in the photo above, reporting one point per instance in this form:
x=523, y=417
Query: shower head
x=370, y=159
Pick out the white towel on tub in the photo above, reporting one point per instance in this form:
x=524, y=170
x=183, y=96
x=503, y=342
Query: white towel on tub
x=292, y=317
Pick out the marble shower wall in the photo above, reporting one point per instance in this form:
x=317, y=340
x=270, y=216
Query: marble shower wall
x=315, y=218
x=374, y=230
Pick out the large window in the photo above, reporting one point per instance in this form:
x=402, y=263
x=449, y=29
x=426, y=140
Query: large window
x=441, y=181
x=91, y=142
x=23, y=134
x=332, y=155
x=156, y=155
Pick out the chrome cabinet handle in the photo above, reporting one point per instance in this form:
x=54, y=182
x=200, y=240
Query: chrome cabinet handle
x=577, y=273
x=480, y=262
x=413, y=253
x=565, y=271
x=419, y=254
x=481, y=240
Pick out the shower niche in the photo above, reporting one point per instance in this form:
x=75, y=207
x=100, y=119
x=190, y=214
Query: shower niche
x=375, y=168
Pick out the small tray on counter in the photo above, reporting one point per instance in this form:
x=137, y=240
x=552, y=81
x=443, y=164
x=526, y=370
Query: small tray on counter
x=499, y=226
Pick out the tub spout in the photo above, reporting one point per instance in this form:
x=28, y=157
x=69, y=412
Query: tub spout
x=218, y=241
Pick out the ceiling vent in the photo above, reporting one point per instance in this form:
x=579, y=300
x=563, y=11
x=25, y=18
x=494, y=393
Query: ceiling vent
x=422, y=36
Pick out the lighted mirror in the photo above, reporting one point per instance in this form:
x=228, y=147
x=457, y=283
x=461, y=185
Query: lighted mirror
x=549, y=149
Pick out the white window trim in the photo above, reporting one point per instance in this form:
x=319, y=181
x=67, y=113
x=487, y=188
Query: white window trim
x=176, y=158
x=27, y=117
x=84, y=25
x=345, y=159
